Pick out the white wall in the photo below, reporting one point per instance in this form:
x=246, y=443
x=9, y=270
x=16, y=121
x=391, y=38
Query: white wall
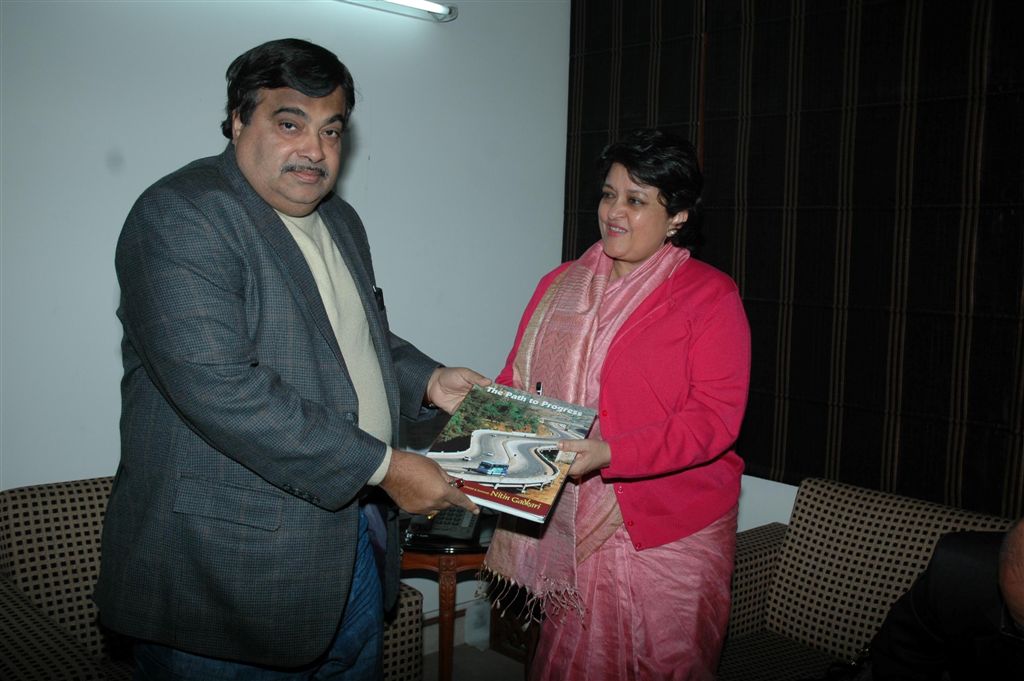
x=764, y=501
x=456, y=164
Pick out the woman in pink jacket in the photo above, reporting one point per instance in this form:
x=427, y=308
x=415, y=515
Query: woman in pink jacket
x=633, y=568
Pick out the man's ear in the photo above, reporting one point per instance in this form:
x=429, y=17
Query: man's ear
x=236, y=126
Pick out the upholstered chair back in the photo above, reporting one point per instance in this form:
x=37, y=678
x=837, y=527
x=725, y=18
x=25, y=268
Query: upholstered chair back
x=848, y=555
x=50, y=550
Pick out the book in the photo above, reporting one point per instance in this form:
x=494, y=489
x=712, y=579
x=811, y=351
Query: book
x=503, y=444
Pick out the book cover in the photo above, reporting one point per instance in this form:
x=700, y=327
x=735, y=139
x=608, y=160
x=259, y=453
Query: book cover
x=504, y=444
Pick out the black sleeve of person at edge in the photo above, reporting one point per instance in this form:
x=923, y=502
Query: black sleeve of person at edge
x=951, y=623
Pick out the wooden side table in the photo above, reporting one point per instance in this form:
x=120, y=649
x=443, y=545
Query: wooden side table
x=447, y=558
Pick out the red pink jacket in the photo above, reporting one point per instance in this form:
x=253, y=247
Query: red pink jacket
x=673, y=392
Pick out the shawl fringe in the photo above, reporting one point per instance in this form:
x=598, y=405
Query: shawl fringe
x=554, y=601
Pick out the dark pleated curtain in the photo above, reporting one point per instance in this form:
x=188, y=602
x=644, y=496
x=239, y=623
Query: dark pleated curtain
x=865, y=188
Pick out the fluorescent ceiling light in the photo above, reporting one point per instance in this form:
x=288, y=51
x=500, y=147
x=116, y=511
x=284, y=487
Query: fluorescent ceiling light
x=420, y=9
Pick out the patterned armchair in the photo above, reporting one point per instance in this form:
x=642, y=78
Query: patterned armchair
x=49, y=561
x=813, y=593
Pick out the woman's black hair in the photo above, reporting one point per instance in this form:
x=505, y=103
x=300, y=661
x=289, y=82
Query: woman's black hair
x=668, y=163
x=293, y=63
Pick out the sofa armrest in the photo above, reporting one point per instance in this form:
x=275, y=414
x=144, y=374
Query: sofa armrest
x=757, y=552
x=403, y=638
x=34, y=648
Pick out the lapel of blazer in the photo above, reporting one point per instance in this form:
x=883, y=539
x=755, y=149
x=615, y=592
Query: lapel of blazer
x=294, y=264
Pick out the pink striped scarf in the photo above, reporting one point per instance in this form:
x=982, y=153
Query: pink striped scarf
x=564, y=347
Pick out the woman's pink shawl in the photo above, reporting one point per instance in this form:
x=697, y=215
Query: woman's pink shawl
x=563, y=347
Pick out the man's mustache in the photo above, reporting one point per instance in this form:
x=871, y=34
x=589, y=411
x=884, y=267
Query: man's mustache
x=295, y=167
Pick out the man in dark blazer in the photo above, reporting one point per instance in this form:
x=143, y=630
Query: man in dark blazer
x=262, y=388
x=963, y=619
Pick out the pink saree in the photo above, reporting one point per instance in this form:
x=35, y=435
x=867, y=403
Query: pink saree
x=611, y=612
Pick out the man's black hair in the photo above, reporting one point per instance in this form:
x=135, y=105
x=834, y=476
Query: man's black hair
x=292, y=63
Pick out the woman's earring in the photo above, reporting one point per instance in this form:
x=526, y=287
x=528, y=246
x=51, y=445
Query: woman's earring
x=671, y=233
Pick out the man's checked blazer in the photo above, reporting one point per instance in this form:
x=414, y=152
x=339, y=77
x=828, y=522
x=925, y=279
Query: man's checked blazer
x=231, y=529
